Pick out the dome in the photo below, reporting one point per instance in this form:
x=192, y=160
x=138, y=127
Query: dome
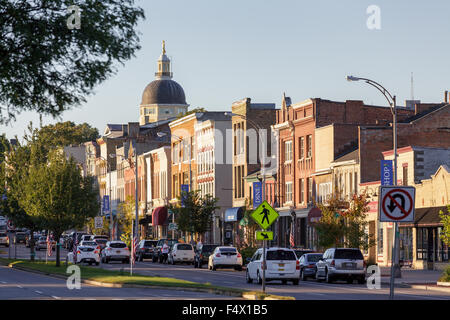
x=163, y=92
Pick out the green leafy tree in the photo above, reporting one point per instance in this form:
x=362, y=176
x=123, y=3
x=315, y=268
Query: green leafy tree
x=445, y=220
x=195, y=216
x=62, y=134
x=48, y=67
x=125, y=216
x=58, y=195
x=195, y=110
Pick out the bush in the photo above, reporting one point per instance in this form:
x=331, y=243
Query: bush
x=446, y=275
x=247, y=252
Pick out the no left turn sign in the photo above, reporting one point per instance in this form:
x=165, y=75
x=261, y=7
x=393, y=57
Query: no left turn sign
x=396, y=204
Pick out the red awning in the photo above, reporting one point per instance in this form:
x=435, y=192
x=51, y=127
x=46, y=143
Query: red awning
x=159, y=216
x=314, y=215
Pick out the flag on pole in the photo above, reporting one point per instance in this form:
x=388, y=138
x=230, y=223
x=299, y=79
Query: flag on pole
x=49, y=244
x=291, y=236
x=134, y=244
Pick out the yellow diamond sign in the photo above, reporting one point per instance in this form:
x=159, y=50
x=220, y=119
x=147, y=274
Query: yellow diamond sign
x=264, y=235
x=264, y=215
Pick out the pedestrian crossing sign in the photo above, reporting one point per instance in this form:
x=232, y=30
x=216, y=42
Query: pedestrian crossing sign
x=264, y=235
x=264, y=215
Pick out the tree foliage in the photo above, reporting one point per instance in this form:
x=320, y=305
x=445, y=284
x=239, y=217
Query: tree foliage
x=445, y=220
x=196, y=214
x=49, y=68
x=125, y=215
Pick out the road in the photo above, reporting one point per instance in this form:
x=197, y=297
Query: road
x=309, y=290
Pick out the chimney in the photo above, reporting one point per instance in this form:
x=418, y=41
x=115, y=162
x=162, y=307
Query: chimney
x=446, y=96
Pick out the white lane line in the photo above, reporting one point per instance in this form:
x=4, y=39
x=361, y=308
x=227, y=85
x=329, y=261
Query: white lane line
x=37, y=291
x=55, y=297
x=20, y=287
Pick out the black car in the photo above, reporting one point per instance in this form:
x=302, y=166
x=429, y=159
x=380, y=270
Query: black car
x=145, y=249
x=157, y=252
x=21, y=237
x=201, y=256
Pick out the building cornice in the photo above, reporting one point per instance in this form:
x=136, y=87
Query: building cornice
x=304, y=103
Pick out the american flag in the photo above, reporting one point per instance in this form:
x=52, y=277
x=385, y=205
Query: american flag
x=49, y=244
x=134, y=244
x=75, y=247
x=291, y=236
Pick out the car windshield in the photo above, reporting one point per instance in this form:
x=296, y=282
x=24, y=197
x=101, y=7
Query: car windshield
x=117, y=245
x=149, y=244
x=313, y=257
x=281, y=255
x=225, y=250
x=348, y=254
x=2, y=234
x=89, y=243
x=184, y=247
x=207, y=248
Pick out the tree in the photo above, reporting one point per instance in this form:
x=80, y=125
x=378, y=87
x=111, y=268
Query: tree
x=93, y=230
x=445, y=220
x=59, y=196
x=195, y=216
x=62, y=134
x=125, y=216
x=48, y=67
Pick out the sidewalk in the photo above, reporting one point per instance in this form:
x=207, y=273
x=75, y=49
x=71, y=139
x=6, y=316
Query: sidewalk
x=411, y=276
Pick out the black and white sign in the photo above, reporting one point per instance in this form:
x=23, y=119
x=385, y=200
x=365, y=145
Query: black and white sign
x=98, y=222
x=396, y=204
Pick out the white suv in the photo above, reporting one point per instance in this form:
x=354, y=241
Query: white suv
x=85, y=253
x=225, y=257
x=181, y=252
x=282, y=264
x=4, y=239
x=341, y=263
x=115, y=250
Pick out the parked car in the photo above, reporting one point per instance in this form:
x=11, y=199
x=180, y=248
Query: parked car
x=85, y=237
x=202, y=256
x=225, y=257
x=41, y=243
x=115, y=250
x=300, y=252
x=341, y=263
x=21, y=237
x=181, y=252
x=86, y=253
x=281, y=264
x=101, y=240
x=308, y=265
x=145, y=249
x=157, y=252
x=90, y=243
x=4, y=239
x=36, y=237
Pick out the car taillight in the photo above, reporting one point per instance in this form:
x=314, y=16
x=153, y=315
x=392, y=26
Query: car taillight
x=98, y=247
x=239, y=255
x=218, y=255
x=332, y=263
x=108, y=249
x=311, y=266
x=297, y=265
x=95, y=251
x=78, y=252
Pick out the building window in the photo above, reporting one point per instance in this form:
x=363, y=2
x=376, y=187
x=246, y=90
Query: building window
x=288, y=151
x=405, y=174
x=302, y=190
x=350, y=184
x=301, y=144
x=288, y=192
x=309, y=182
x=309, y=146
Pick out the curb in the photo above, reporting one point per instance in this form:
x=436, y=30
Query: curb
x=136, y=286
x=445, y=288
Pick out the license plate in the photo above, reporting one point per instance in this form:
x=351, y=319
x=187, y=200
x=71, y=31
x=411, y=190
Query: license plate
x=350, y=265
x=280, y=269
x=281, y=264
x=185, y=258
x=117, y=251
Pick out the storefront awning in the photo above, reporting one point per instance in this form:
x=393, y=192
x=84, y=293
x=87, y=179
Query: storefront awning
x=425, y=217
x=159, y=216
x=234, y=214
x=314, y=215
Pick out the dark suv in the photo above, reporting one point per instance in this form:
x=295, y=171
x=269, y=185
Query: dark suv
x=157, y=252
x=145, y=249
x=201, y=256
x=21, y=237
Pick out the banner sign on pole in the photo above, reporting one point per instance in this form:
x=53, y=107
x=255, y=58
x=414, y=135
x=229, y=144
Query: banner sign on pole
x=387, y=175
x=105, y=203
x=184, y=190
x=257, y=194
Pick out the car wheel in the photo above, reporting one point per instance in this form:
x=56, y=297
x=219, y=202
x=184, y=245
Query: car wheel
x=247, y=277
x=258, y=277
x=141, y=258
x=90, y=263
x=295, y=282
x=328, y=277
x=106, y=260
x=302, y=275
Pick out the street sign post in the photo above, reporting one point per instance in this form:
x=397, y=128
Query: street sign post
x=264, y=216
x=264, y=235
x=396, y=204
x=98, y=222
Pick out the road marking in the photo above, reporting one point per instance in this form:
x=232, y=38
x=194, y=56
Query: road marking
x=55, y=297
x=20, y=287
x=37, y=291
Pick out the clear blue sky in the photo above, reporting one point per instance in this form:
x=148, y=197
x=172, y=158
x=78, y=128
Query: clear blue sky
x=223, y=51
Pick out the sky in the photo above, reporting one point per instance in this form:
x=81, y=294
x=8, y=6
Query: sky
x=223, y=51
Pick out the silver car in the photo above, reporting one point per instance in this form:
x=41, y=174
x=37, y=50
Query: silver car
x=341, y=263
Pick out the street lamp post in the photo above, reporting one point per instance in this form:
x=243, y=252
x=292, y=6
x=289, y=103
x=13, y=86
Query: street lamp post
x=395, y=267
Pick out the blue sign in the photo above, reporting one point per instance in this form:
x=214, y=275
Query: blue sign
x=387, y=175
x=105, y=203
x=184, y=191
x=257, y=194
